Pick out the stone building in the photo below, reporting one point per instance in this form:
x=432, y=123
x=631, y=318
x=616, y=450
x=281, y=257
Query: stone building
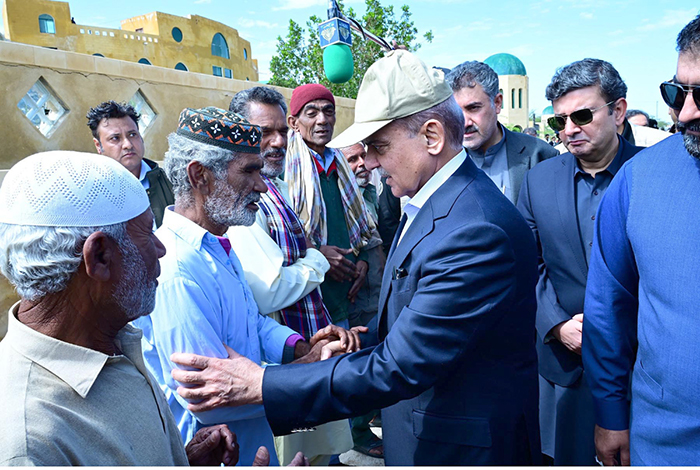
x=513, y=84
x=191, y=43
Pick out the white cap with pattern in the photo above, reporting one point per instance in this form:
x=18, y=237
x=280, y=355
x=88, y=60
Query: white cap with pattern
x=70, y=189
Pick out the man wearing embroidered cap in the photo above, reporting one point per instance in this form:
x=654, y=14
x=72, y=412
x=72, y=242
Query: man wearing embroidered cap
x=454, y=365
x=325, y=196
x=76, y=242
x=203, y=302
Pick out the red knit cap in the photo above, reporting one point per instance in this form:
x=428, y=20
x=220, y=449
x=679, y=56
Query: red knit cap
x=306, y=93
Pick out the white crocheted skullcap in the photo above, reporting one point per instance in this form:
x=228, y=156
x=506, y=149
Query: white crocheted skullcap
x=70, y=189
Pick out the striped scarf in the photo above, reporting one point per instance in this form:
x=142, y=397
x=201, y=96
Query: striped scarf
x=307, y=201
x=308, y=315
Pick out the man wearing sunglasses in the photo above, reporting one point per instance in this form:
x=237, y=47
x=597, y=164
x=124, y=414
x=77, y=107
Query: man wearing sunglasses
x=559, y=199
x=503, y=155
x=641, y=311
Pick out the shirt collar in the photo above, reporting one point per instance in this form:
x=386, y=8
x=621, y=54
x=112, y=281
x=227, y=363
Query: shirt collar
x=191, y=233
x=434, y=183
x=494, y=149
x=75, y=365
x=144, y=169
x=615, y=164
x=329, y=154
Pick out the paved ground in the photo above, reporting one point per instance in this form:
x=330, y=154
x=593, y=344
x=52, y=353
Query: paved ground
x=352, y=458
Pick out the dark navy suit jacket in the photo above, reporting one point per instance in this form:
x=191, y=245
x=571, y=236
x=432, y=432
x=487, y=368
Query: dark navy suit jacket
x=455, y=365
x=548, y=203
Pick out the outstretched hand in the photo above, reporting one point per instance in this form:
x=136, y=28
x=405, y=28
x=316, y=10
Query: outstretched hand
x=215, y=382
x=213, y=446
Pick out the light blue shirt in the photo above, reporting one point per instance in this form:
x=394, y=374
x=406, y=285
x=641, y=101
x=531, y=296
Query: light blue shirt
x=202, y=302
x=494, y=162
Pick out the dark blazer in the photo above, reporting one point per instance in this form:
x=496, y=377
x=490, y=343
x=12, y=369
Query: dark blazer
x=455, y=367
x=547, y=202
x=524, y=152
x=160, y=193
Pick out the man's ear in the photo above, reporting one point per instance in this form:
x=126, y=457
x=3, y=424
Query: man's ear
x=292, y=122
x=620, y=110
x=434, y=134
x=100, y=256
x=498, y=103
x=200, y=177
x=98, y=146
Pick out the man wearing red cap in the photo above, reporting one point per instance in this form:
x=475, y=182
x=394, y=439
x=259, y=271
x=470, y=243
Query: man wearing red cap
x=324, y=194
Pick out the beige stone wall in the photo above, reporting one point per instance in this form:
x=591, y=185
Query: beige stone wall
x=515, y=111
x=82, y=81
x=154, y=43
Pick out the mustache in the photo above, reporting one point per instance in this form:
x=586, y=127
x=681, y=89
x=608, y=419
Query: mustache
x=382, y=172
x=688, y=126
x=472, y=128
x=271, y=152
x=252, y=197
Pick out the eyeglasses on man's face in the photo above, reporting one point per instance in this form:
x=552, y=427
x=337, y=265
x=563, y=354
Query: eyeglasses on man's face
x=580, y=118
x=674, y=94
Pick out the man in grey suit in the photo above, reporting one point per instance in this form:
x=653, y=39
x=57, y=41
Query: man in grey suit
x=503, y=155
x=558, y=199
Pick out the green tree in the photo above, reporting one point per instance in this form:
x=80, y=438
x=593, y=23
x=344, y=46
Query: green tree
x=299, y=58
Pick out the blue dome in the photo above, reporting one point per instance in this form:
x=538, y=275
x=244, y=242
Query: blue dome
x=548, y=110
x=506, y=64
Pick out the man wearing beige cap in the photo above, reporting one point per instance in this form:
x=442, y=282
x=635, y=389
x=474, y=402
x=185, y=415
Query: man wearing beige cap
x=454, y=363
x=76, y=242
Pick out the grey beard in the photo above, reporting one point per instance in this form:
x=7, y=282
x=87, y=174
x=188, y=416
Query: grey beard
x=134, y=293
x=362, y=182
x=223, y=207
x=272, y=170
x=691, y=142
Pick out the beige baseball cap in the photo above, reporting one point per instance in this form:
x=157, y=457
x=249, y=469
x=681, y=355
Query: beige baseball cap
x=395, y=86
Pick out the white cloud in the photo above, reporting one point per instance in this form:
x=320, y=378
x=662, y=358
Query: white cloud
x=300, y=4
x=197, y=2
x=586, y=15
x=248, y=23
x=671, y=19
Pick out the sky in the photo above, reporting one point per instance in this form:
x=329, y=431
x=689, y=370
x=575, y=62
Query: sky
x=636, y=36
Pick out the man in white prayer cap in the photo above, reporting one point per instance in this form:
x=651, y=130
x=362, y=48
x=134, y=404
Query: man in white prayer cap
x=76, y=242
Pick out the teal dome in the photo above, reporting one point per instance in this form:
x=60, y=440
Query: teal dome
x=506, y=64
x=548, y=110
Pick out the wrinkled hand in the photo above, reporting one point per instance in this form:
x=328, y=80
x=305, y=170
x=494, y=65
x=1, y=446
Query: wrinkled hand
x=262, y=459
x=361, y=272
x=213, y=446
x=612, y=447
x=234, y=381
x=342, y=269
x=569, y=333
x=349, y=339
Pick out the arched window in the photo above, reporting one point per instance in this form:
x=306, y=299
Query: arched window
x=177, y=34
x=181, y=66
x=245, y=54
x=46, y=24
x=144, y=61
x=219, y=47
x=520, y=97
x=97, y=54
x=512, y=98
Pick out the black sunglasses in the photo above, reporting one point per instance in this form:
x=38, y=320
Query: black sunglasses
x=580, y=118
x=674, y=94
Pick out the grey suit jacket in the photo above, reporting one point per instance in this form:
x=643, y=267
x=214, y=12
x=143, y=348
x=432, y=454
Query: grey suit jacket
x=523, y=152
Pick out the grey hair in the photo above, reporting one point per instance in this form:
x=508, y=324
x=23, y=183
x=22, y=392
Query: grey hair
x=240, y=103
x=181, y=152
x=585, y=73
x=471, y=73
x=689, y=38
x=448, y=113
x=41, y=260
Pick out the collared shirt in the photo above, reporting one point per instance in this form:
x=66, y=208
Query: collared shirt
x=142, y=176
x=588, y=192
x=64, y=404
x=274, y=285
x=415, y=204
x=328, y=158
x=203, y=302
x=494, y=162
